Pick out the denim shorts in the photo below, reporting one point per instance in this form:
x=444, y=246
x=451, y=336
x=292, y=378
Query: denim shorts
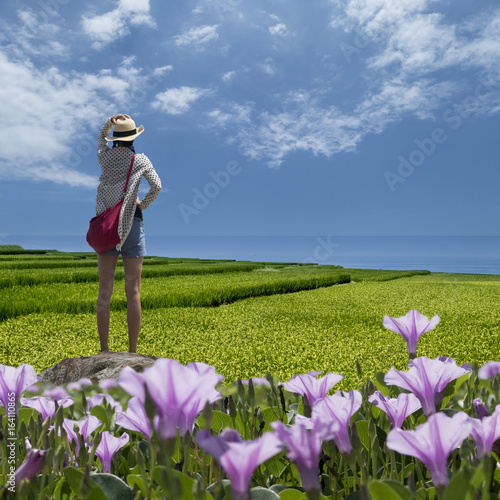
x=135, y=244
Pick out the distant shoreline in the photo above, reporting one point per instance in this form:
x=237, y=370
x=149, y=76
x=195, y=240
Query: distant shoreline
x=360, y=262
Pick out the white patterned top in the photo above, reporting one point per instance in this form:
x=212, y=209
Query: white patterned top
x=115, y=163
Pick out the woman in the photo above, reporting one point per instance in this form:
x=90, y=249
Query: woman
x=115, y=163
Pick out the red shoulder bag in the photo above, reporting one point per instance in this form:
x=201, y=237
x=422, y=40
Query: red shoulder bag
x=103, y=229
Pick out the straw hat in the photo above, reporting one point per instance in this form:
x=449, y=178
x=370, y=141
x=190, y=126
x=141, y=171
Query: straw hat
x=125, y=130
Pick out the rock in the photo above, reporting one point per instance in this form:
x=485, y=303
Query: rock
x=97, y=367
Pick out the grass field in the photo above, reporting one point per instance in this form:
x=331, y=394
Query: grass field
x=246, y=318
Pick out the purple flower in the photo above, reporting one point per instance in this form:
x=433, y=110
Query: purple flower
x=32, y=465
x=46, y=406
x=481, y=410
x=396, y=409
x=87, y=426
x=239, y=458
x=108, y=383
x=179, y=392
x=486, y=431
x=79, y=385
x=432, y=442
x=303, y=441
x=13, y=382
x=99, y=399
x=257, y=381
x=427, y=379
x=310, y=387
x=27, y=444
x=338, y=408
x=489, y=370
x=108, y=446
x=55, y=392
x=132, y=382
x=135, y=418
x=202, y=368
x=411, y=327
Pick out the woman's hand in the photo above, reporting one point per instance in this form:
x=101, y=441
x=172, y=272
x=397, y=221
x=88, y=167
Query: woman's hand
x=119, y=117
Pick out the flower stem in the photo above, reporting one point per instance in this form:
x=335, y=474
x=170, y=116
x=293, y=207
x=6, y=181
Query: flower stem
x=394, y=468
x=186, y=445
x=346, y=479
x=488, y=468
x=313, y=494
x=354, y=471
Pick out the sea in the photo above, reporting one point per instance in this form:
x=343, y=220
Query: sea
x=444, y=254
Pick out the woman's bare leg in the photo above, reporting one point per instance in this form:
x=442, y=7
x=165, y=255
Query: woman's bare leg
x=133, y=269
x=107, y=269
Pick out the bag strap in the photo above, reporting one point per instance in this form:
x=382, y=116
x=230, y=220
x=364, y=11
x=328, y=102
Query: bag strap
x=128, y=176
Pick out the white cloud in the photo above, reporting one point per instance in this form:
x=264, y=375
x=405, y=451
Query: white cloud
x=178, y=100
x=269, y=67
x=302, y=124
x=376, y=16
x=53, y=116
x=279, y=29
x=227, y=77
x=231, y=114
x=197, y=36
x=415, y=40
x=33, y=35
x=106, y=28
x=223, y=8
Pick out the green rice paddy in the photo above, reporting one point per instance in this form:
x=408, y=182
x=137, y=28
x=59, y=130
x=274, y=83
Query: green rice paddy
x=246, y=318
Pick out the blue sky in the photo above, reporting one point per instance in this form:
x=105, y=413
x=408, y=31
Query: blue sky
x=328, y=117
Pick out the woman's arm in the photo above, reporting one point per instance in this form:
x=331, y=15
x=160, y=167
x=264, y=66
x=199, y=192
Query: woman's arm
x=102, y=143
x=154, y=186
x=119, y=117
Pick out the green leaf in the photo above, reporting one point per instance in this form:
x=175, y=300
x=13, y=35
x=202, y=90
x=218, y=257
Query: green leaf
x=406, y=471
x=113, y=487
x=355, y=495
x=403, y=492
x=259, y=493
x=381, y=385
x=212, y=489
x=363, y=434
x=276, y=465
x=185, y=481
x=291, y=494
x=293, y=410
x=381, y=490
x=452, y=388
x=497, y=476
x=478, y=477
x=219, y=421
x=99, y=412
x=269, y=416
x=458, y=487
x=187, y=486
x=427, y=493
x=24, y=415
x=74, y=478
x=62, y=489
x=278, y=488
x=138, y=480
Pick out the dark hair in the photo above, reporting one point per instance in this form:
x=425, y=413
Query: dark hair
x=125, y=144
